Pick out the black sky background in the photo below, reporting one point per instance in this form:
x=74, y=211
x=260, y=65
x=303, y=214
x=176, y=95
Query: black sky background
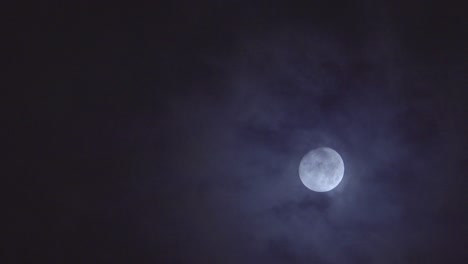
x=172, y=132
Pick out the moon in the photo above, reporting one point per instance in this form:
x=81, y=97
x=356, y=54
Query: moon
x=321, y=169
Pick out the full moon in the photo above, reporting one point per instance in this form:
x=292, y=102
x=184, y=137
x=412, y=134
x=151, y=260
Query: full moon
x=321, y=169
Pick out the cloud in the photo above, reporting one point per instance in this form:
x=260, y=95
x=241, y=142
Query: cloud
x=280, y=96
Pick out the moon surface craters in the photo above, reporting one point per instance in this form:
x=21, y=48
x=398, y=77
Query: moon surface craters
x=321, y=169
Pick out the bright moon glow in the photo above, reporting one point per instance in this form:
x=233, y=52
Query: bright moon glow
x=321, y=169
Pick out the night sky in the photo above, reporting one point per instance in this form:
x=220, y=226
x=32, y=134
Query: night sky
x=172, y=132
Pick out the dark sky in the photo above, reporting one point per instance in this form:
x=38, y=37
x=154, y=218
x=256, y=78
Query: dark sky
x=172, y=132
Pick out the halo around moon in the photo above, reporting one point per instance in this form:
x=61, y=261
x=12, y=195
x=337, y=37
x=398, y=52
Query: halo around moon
x=321, y=169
